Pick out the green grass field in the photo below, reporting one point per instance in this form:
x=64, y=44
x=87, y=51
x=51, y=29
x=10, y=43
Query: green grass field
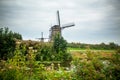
x=84, y=50
x=81, y=53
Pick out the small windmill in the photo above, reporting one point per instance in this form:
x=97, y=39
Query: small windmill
x=42, y=38
x=58, y=28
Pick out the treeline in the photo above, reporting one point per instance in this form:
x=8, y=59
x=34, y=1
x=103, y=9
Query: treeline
x=102, y=46
x=7, y=42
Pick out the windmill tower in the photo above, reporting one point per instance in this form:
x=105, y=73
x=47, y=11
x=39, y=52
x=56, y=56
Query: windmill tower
x=54, y=30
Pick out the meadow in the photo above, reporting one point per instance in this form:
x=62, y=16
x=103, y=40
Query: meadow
x=80, y=53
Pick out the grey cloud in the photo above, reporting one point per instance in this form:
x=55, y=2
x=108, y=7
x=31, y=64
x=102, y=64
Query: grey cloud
x=92, y=18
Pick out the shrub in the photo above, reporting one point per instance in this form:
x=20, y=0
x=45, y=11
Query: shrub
x=7, y=43
x=10, y=72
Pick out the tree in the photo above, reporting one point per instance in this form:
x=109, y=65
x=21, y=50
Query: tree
x=7, y=42
x=60, y=49
x=113, y=45
x=59, y=44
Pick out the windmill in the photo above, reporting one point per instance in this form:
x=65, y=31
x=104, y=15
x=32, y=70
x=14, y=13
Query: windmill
x=58, y=28
x=42, y=38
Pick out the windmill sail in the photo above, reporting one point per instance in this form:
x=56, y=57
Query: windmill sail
x=67, y=25
x=58, y=17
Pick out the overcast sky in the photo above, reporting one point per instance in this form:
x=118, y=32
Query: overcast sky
x=96, y=21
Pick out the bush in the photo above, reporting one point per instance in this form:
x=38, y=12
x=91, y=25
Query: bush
x=89, y=69
x=7, y=43
x=11, y=74
x=113, y=70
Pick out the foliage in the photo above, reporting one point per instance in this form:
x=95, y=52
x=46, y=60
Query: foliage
x=25, y=67
x=11, y=74
x=60, y=49
x=113, y=70
x=56, y=51
x=89, y=68
x=93, y=67
x=59, y=44
x=7, y=42
x=44, y=52
x=19, y=68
